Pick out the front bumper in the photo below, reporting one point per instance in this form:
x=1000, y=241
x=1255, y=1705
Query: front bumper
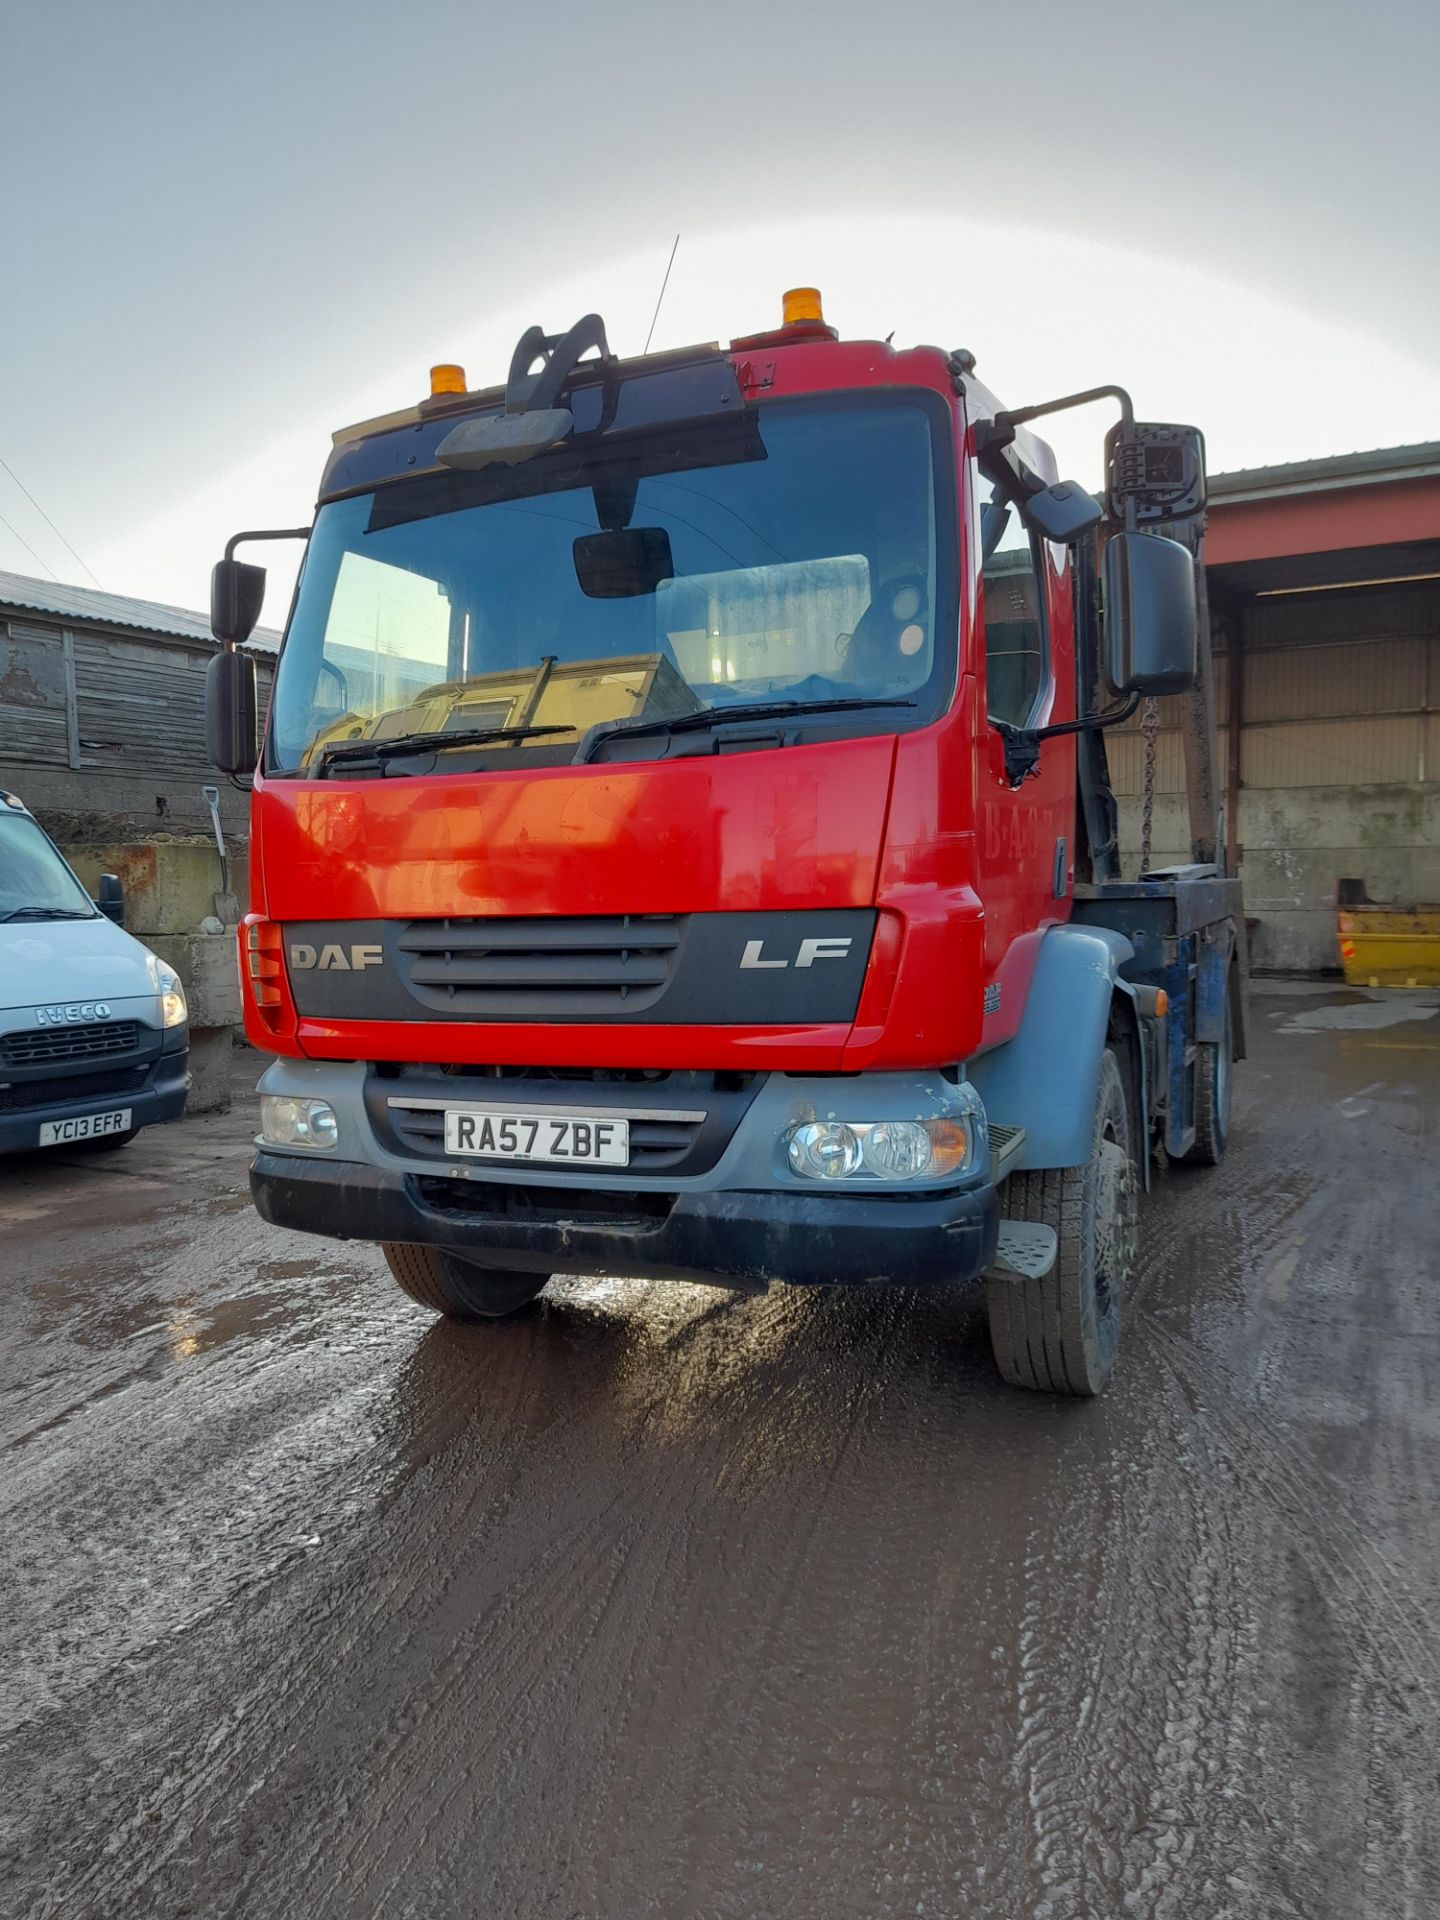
x=160, y=1096
x=746, y=1239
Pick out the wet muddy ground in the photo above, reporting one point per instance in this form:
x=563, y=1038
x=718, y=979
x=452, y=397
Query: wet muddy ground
x=663, y=1602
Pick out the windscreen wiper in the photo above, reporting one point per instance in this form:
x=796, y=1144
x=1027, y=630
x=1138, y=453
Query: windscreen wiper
x=47, y=913
x=377, y=752
x=719, y=716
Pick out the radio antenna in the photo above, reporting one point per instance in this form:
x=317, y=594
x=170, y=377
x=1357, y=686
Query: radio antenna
x=663, y=284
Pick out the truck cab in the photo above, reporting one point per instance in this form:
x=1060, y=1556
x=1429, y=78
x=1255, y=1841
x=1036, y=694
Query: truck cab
x=666, y=835
x=93, y=1027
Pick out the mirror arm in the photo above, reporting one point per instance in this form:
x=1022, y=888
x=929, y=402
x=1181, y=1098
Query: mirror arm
x=270, y=533
x=998, y=458
x=1022, y=744
x=1017, y=416
x=1092, y=722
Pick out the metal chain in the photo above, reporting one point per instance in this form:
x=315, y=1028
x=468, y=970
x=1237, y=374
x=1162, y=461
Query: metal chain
x=1150, y=728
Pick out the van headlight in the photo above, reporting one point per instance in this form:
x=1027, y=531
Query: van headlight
x=289, y=1122
x=173, y=1009
x=945, y=1147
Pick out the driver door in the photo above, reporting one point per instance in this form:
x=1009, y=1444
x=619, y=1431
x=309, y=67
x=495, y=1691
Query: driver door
x=1024, y=833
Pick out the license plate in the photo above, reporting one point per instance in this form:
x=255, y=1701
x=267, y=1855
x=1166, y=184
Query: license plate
x=86, y=1126
x=562, y=1138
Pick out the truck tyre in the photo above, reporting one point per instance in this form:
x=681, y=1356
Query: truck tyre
x=1060, y=1333
x=1212, y=1095
x=445, y=1283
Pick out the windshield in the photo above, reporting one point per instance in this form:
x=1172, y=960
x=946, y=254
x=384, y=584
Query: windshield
x=34, y=880
x=790, y=557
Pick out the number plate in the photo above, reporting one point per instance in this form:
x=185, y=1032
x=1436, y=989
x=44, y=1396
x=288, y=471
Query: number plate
x=87, y=1126
x=563, y=1139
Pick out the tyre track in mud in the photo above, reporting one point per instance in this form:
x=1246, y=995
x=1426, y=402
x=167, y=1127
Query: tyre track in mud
x=356, y=1623
x=653, y=1605
x=584, y=1638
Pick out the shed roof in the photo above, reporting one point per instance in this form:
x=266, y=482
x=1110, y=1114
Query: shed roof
x=1419, y=461
x=115, y=610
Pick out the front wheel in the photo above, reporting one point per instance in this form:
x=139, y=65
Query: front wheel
x=1060, y=1333
x=436, y=1278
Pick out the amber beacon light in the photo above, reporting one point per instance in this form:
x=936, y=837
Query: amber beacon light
x=801, y=304
x=446, y=379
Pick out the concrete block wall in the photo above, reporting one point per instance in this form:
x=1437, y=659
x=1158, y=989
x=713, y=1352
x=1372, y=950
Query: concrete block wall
x=170, y=885
x=170, y=888
x=1296, y=843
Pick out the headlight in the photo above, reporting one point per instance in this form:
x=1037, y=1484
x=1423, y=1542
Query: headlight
x=172, y=1001
x=825, y=1150
x=288, y=1122
x=898, y=1150
x=943, y=1148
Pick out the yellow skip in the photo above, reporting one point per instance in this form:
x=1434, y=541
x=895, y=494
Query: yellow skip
x=1390, y=946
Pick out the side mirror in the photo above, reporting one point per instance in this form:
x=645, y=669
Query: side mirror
x=111, y=898
x=237, y=593
x=1062, y=512
x=1155, y=470
x=1150, y=614
x=230, y=709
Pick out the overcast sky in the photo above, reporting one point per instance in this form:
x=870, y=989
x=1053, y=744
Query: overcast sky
x=227, y=230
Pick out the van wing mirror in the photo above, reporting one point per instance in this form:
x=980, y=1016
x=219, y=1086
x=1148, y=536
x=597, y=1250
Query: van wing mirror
x=237, y=593
x=110, y=898
x=230, y=709
x=1150, y=614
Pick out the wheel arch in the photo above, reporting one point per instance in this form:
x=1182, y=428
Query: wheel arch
x=1047, y=1077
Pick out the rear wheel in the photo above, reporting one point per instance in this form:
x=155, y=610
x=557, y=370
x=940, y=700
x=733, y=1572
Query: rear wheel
x=1212, y=1095
x=1061, y=1333
x=442, y=1281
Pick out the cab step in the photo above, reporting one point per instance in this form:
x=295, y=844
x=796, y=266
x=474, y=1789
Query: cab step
x=1026, y=1250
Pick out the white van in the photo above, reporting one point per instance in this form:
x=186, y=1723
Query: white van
x=93, y=1027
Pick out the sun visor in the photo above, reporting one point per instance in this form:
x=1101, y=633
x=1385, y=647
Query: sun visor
x=606, y=406
x=617, y=404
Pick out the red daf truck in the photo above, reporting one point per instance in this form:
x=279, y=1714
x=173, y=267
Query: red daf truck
x=682, y=842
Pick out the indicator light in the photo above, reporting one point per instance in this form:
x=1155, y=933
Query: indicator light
x=446, y=378
x=801, y=304
x=262, y=962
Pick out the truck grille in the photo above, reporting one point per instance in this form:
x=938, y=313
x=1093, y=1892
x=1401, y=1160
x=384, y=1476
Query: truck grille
x=46, y=1046
x=504, y=969
x=72, y=1086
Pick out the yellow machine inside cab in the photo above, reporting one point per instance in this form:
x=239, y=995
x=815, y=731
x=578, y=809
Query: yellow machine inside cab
x=577, y=694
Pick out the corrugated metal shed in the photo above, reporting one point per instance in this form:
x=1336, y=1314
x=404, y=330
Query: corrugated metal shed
x=1376, y=467
x=115, y=610
x=102, y=710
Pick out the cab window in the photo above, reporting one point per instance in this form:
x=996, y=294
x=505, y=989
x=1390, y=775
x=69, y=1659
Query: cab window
x=1015, y=653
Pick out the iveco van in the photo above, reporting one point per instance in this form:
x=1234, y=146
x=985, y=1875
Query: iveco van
x=93, y=1027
